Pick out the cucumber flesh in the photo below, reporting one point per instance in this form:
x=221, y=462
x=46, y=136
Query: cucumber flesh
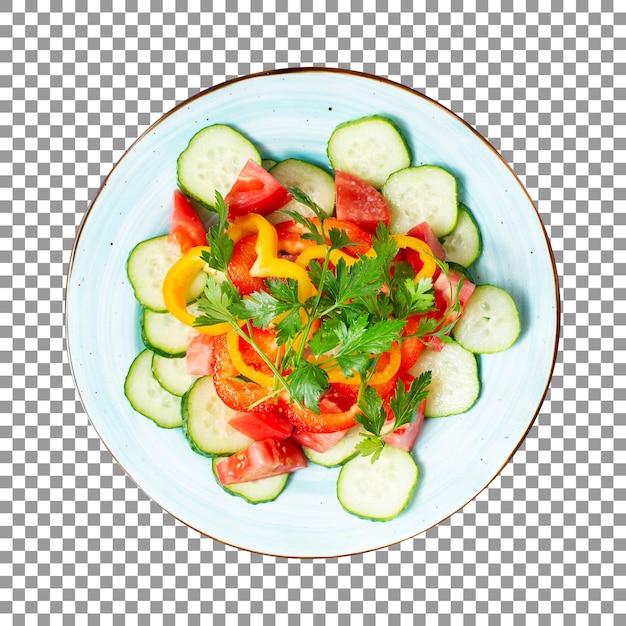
x=164, y=334
x=171, y=374
x=212, y=162
x=317, y=183
x=455, y=384
x=371, y=148
x=426, y=193
x=255, y=491
x=205, y=421
x=378, y=490
x=338, y=454
x=147, y=265
x=490, y=321
x=464, y=244
x=148, y=397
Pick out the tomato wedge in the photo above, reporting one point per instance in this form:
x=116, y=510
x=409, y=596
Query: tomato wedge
x=357, y=201
x=266, y=425
x=186, y=228
x=200, y=357
x=320, y=442
x=255, y=191
x=261, y=459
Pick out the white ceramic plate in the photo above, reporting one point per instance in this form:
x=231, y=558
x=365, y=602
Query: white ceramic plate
x=292, y=114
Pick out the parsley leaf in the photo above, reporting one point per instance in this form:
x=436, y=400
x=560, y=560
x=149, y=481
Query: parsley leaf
x=307, y=382
x=372, y=418
x=362, y=339
x=214, y=305
x=220, y=244
x=405, y=403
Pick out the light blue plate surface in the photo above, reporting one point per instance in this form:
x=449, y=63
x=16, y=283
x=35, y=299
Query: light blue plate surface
x=292, y=114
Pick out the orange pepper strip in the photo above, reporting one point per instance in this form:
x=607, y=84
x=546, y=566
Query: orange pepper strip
x=175, y=286
x=232, y=341
x=335, y=375
x=268, y=264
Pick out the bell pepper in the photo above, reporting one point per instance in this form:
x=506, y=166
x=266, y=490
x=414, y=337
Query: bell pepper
x=319, y=252
x=261, y=378
x=424, y=251
x=175, y=286
x=268, y=264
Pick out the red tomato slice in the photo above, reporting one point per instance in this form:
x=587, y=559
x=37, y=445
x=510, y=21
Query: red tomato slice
x=358, y=202
x=320, y=442
x=446, y=291
x=186, y=229
x=244, y=256
x=266, y=425
x=262, y=459
x=255, y=191
x=199, y=357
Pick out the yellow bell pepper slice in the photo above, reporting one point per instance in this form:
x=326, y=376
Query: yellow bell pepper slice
x=268, y=263
x=423, y=249
x=232, y=340
x=175, y=285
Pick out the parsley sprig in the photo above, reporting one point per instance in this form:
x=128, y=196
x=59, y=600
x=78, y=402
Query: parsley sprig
x=358, y=312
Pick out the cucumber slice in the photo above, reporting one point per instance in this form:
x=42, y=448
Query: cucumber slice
x=464, y=244
x=455, y=385
x=212, y=162
x=205, y=421
x=317, y=183
x=164, y=334
x=490, y=321
x=171, y=374
x=422, y=194
x=338, y=454
x=380, y=490
x=371, y=148
x=147, y=397
x=255, y=491
x=146, y=267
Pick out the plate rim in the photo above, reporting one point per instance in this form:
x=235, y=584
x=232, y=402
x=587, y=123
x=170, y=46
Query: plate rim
x=335, y=71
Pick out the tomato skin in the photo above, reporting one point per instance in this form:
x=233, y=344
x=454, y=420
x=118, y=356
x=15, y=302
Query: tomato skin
x=200, y=358
x=358, y=202
x=186, y=228
x=234, y=392
x=261, y=459
x=255, y=191
x=259, y=426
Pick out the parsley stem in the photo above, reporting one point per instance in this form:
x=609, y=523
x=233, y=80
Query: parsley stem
x=249, y=338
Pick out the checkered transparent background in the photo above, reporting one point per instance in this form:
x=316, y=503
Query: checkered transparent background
x=545, y=543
